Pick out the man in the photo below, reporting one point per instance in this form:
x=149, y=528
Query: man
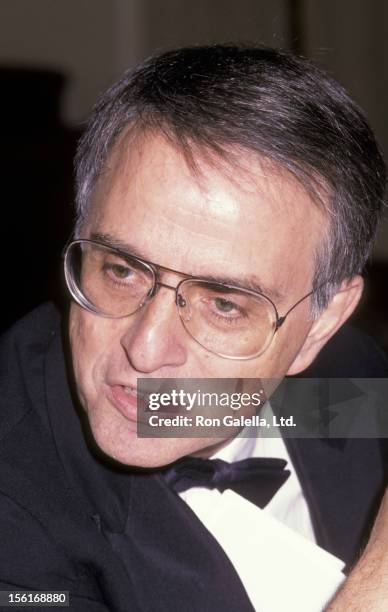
x=227, y=200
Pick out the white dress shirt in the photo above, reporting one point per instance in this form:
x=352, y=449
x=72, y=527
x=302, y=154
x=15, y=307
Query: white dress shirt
x=273, y=550
x=288, y=505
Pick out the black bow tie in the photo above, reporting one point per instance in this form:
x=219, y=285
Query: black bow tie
x=256, y=479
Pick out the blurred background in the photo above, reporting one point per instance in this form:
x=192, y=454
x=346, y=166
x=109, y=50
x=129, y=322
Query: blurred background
x=55, y=57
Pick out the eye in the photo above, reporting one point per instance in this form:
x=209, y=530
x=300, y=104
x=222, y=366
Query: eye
x=225, y=306
x=122, y=275
x=227, y=311
x=120, y=271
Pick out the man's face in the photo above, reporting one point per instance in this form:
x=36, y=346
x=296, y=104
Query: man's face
x=257, y=223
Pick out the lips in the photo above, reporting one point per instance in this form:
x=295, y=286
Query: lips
x=126, y=399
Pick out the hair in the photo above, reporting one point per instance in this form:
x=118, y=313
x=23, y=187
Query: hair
x=231, y=98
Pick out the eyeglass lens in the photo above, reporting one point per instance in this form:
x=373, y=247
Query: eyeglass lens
x=226, y=321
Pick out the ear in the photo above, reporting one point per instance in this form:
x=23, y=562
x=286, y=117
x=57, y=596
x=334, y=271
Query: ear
x=329, y=321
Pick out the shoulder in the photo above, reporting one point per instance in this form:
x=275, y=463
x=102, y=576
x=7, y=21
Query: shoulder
x=26, y=442
x=44, y=525
x=22, y=351
x=28, y=457
x=349, y=353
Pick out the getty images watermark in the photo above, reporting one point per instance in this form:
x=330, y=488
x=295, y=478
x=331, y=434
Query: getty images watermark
x=221, y=408
x=182, y=400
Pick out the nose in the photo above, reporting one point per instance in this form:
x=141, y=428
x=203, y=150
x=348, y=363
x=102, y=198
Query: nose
x=155, y=337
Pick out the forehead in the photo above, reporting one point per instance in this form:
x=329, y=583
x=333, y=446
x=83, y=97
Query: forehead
x=248, y=220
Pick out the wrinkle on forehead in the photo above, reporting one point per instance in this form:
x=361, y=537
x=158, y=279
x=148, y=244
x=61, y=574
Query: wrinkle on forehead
x=246, y=171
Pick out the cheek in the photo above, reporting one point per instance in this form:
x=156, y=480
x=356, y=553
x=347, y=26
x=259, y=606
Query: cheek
x=88, y=347
x=287, y=343
x=90, y=335
x=275, y=361
x=80, y=336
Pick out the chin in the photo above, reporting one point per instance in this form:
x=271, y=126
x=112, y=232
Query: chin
x=129, y=450
x=132, y=451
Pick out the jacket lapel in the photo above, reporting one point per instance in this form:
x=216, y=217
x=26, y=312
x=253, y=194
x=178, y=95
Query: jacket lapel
x=342, y=483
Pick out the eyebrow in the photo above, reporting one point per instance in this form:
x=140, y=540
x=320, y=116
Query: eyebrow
x=250, y=282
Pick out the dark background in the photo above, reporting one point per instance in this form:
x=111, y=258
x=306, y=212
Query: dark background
x=55, y=57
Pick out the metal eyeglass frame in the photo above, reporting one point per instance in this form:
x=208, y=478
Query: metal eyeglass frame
x=154, y=269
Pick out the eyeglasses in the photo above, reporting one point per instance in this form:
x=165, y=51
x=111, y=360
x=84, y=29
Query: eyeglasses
x=228, y=321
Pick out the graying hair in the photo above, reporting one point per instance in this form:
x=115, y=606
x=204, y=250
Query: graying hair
x=222, y=98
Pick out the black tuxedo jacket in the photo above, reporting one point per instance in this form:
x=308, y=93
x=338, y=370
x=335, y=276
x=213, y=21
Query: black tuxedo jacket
x=118, y=539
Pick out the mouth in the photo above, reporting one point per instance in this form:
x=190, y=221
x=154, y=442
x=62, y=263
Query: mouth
x=132, y=391
x=127, y=400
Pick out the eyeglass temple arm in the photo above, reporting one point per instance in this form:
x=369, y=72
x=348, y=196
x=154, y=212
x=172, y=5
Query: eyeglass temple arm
x=281, y=319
